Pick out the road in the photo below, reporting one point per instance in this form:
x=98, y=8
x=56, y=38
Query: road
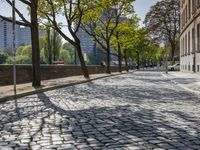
x=141, y=110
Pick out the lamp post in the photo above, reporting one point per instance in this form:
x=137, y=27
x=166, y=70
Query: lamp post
x=14, y=50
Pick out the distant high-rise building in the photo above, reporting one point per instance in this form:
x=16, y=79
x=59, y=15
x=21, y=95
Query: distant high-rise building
x=89, y=47
x=23, y=35
x=95, y=54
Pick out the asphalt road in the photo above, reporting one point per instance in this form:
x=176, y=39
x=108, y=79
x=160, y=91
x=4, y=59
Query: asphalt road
x=141, y=110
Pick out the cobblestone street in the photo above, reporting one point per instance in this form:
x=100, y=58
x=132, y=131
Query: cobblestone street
x=141, y=110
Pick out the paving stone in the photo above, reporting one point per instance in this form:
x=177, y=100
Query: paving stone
x=130, y=111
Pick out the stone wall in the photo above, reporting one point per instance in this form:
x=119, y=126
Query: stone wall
x=24, y=72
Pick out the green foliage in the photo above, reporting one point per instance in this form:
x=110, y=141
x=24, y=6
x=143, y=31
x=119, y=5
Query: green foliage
x=24, y=50
x=50, y=46
x=135, y=40
x=68, y=46
x=23, y=59
x=42, y=56
x=162, y=23
x=9, y=60
x=24, y=55
x=126, y=36
x=3, y=57
x=65, y=56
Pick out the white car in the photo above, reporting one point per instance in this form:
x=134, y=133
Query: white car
x=175, y=67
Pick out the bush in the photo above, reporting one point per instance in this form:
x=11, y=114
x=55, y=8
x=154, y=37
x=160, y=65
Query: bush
x=3, y=57
x=24, y=50
x=65, y=56
x=23, y=59
x=9, y=60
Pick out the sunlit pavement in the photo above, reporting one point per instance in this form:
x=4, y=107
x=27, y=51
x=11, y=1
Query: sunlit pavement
x=187, y=80
x=140, y=110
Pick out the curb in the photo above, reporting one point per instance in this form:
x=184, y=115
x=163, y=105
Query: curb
x=12, y=97
x=180, y=85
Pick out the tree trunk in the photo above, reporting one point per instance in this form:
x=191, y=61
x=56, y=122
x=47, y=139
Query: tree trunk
x=142, y=60
x=75, y=56
x=54, y=45
x=138, y=60
x=81, y=58
x=126, y=62
x=173, y=49
x=119, y=54
x=35, y=45
x=108, y=59
x=49, y=47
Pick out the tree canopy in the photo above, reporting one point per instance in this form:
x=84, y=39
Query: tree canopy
x=102, y=20
x=162, y=23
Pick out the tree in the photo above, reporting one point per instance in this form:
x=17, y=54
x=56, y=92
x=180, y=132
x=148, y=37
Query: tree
x=162, y=23
x=23, y=55
x=73, y=12
x=33, y=24
x=65, y=56
x=72, y=52
x=3, y=57
x=51, y=43
x=102, y=20
x=124, y=39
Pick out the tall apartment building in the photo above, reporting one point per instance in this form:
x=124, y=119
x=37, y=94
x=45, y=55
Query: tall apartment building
x=89, y=46
x=23, y=35
x=190, y=35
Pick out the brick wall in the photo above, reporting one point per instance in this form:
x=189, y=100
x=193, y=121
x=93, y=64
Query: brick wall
x=24, y=72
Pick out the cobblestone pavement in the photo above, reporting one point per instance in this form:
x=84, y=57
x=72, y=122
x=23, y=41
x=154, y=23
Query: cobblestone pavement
x=189, y=81
x=133, y=111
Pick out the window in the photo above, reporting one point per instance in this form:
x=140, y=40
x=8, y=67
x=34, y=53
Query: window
x=183, y=45
x=198, y=3
x=188, y=43
x=182, y=42
x=193, y=40
x=193, y=6
x=198, y=38
x=189, y=9
x=186, y=14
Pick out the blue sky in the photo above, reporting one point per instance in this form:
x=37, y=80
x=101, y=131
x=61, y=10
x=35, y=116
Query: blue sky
x=141, y=7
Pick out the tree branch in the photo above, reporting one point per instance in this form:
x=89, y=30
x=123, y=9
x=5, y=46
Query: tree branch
x=17, y=22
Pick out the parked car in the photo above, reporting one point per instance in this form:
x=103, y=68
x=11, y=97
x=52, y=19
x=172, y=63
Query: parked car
x=175, y=67
x=58, y=62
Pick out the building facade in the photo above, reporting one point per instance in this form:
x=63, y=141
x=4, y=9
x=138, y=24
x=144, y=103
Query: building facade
x=96, y=54
x=23, y=35
x=190, y=35
x=89, y=47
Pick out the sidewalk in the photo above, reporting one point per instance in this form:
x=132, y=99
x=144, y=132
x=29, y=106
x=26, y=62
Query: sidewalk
x=6, y=92
x=188, y=81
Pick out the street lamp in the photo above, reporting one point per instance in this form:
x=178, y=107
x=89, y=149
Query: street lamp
x=14, y=50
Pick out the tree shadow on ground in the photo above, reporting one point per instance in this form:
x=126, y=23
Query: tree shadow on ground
x=128, y=125
x=111, y=127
